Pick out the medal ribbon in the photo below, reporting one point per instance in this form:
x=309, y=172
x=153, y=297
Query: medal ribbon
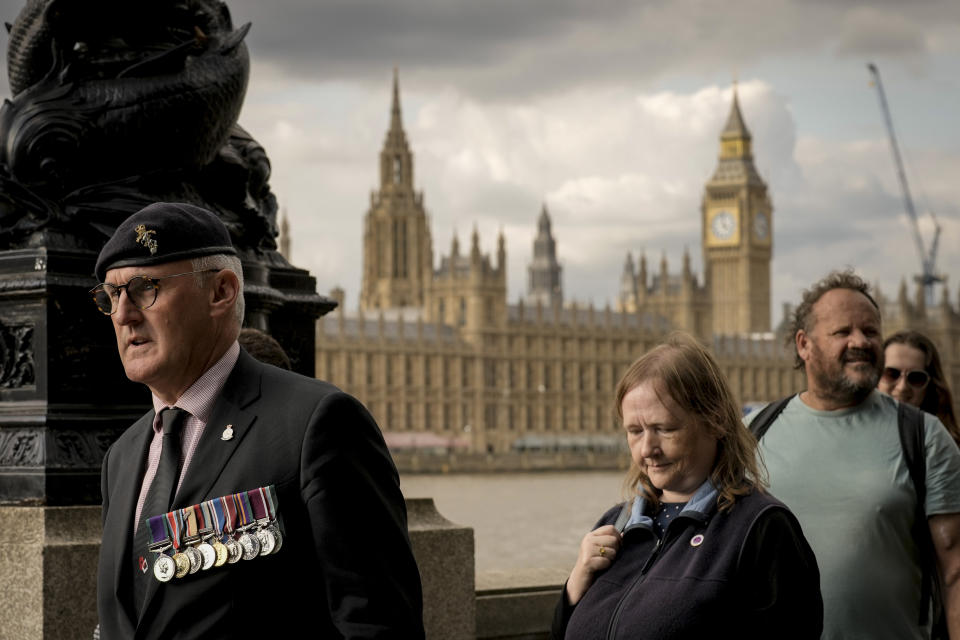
x=271, y=500
x=191, y=520
x=203, y=518
x=256, y=501
x=211, y=517
x=243, y=504
x=230, y=514
x=158, y=531
x=174, y=523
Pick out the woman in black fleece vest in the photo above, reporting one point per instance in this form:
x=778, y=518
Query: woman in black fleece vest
x=699, y=549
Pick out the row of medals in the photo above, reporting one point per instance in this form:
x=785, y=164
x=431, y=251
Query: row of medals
x=200, y=557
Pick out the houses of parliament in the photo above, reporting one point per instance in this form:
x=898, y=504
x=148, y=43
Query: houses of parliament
x=443, y=360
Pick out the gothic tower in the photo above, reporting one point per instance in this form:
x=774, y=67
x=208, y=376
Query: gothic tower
x=737, y=235
x=543, y=285
x=397, y=249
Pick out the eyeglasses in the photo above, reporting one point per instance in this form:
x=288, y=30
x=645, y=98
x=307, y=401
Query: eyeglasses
x=917, y=378
x=141, y=291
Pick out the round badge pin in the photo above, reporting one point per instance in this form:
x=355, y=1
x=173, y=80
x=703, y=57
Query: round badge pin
x=696, y=540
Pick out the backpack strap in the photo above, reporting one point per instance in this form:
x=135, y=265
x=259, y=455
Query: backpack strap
x=912, y=436
x=760, y=424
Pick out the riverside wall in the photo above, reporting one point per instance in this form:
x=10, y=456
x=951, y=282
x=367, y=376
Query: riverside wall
x=421, y=462
x=48, y=563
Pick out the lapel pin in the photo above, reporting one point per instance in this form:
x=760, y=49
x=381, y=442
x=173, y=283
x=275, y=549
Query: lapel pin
x=696, y=540
x=227, y=433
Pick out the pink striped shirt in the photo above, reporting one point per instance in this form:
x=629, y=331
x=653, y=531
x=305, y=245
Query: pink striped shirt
x=198, y=400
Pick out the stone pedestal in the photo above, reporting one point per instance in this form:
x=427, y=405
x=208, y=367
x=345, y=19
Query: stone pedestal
x=445, y=556
x=48, y=564
x=63, y=395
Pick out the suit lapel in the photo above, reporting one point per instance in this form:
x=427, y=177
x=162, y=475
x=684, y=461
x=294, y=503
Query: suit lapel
x=123, y=507
x=212, y=454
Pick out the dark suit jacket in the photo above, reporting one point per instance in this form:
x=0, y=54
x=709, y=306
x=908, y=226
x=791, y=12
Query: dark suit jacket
x=346, y=568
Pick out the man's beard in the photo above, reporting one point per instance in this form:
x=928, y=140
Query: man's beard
x=837, y=385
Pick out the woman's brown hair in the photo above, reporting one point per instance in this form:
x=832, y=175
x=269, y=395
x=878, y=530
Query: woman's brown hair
x=683, y=369
x=937, y=400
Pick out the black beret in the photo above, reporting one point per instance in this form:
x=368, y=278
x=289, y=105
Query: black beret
x=164, y=232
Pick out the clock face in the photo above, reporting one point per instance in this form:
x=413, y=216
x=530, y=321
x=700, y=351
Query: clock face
x=723, y=225
x=761, y=225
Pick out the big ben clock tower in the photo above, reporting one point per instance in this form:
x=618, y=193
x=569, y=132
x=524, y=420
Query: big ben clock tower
x=737, y=235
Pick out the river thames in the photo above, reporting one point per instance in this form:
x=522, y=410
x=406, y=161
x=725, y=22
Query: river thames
x=521, y=520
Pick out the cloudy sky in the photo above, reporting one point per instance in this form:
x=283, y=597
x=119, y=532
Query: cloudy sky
x=609, y=112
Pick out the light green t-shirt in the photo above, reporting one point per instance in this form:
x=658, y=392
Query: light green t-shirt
x=843, y=474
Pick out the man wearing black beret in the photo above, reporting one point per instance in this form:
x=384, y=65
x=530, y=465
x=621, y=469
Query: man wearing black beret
x=249, y=500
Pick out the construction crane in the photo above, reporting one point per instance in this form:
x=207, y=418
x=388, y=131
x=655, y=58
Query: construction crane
x=928, y=259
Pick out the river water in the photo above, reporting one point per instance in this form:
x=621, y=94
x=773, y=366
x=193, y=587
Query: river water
x=521, y=520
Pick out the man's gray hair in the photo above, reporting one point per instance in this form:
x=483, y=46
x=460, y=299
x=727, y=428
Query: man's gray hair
x=219, y=262
x=802, y=317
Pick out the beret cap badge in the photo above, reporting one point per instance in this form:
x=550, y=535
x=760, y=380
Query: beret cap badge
x=188, y=232
x=145, y=237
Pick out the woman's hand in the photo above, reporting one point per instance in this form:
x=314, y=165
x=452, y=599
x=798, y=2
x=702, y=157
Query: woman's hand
x=597, y=551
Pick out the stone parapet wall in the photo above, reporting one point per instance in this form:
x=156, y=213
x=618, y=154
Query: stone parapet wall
x=517, y=604
x=48, y=561
x=48, y=564
x=418, y=462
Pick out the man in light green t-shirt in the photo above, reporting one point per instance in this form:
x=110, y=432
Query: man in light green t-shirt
x=835, y=459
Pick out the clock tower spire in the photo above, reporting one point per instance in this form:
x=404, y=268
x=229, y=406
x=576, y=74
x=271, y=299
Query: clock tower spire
x=737, y=234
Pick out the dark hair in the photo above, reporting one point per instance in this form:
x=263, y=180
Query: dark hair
x=845, y=279
x=938, y=400
x=264, y=348
x=683, y=369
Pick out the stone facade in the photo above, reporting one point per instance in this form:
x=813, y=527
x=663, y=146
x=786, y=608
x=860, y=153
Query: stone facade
x=446, y=364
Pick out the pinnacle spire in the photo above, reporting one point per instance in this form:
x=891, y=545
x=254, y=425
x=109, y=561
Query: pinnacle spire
x=395, y=121
x=543, y=223
x=735, y=127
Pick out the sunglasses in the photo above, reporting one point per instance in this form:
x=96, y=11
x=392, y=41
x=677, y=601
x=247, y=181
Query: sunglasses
x=917, y=378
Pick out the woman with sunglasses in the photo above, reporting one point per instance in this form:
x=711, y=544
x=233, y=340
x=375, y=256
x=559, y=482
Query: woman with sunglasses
x=913, y=374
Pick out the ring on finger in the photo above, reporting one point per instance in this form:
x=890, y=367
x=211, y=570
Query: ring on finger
x=603, y=550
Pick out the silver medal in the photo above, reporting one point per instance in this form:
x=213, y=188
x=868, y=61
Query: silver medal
x=196, y=559
x=251, y=546
x=209, y=555
x=234, y=550
x=164, y=568
x=278, y=538
x=267, y=541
